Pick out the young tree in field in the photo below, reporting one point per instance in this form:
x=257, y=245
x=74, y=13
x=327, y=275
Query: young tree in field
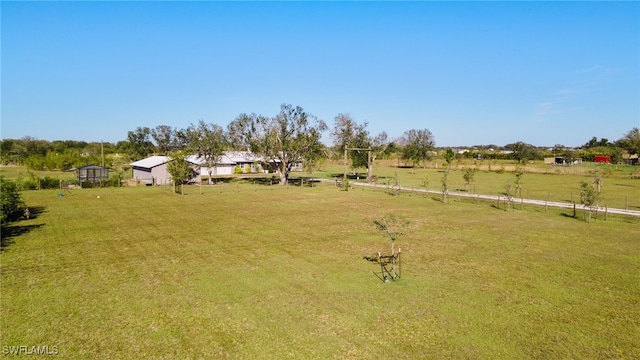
x=385, y=224
x=209, y=142
x=508, y=191
x=468, y=175
x=290, y=137
x=445, y=184
x=180, y=169
x=518, y=181
x=425, y=182
x=418, y=145
x=589, y=197
x=140, y=144
x=449, y=155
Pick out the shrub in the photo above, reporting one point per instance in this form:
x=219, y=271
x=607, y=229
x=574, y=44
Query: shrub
x=89, y=184
x=29, y=184
x=10, y=201
x=345, y=184
x=49, y=183
x=111, y=182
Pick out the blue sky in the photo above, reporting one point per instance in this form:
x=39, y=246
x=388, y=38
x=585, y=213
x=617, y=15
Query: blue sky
x=471, y=72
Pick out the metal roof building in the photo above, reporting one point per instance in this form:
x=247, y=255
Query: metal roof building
x=152, y=170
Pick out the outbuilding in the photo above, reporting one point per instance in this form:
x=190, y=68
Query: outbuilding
x=602, y=159
x=152, y=170
x=91, y=173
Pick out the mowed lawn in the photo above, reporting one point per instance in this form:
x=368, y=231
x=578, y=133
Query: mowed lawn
x=247, y=271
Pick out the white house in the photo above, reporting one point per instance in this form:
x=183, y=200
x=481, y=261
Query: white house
x=153, y=170
x=231, y=162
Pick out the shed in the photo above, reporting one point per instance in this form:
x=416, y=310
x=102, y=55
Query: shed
x=602, y=159
x=152, y=170
x=92, y=173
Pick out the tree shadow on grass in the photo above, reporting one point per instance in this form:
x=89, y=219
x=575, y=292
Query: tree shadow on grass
x=571, y=216
x=8, y=232
x=275, y=181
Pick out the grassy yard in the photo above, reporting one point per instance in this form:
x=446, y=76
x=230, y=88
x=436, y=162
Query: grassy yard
x=248, y=271
x=620, y=184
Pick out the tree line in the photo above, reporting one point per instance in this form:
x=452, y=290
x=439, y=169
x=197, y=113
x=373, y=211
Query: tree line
x=290, y=137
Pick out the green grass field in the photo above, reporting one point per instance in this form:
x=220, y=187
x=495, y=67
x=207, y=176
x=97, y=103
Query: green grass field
x=620, y=189
x=248, y=271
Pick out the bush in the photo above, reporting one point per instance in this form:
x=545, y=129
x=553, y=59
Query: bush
x=29, y=184
x=10, y=201
x=345, y=184
x=88, y=185
x=113, y=181
x=49, y=183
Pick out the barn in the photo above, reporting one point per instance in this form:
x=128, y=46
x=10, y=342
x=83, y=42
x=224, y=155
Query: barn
x=152, y=170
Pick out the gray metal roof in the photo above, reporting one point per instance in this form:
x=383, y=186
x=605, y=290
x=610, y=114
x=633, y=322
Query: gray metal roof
x=228, y=158
x=151, y=161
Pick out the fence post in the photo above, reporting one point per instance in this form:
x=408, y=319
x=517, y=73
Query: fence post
x=545, y=204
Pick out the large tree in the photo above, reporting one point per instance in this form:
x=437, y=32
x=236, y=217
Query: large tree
x=208, y=141
x=287, y=139
x=163, y=136
x=354, y=139
x=631, y=141
x=522, y=151
x=378, y=145
x=140, y=144
x=348, y=134
x=418, y=145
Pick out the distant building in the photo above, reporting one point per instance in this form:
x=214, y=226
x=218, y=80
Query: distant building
x=560, y=160
x=602, y=159
x=91, y=173
x=233, y=162
x=631, y=159
x=152, y=170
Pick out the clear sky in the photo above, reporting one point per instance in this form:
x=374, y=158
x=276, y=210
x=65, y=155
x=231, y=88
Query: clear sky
x=472, y=73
